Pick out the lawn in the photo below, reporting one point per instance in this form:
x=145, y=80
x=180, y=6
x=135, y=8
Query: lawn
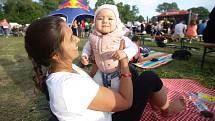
x=20, y=101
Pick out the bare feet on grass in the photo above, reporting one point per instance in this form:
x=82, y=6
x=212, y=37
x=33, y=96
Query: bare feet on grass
x=175, y=106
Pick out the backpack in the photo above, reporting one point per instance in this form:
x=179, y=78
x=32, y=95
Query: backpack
x=181, y=55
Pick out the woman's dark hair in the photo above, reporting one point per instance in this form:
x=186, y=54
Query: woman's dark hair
x=43, y=38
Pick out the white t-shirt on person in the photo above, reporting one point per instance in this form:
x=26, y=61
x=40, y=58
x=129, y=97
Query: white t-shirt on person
x=70, y=95
x=180, y=29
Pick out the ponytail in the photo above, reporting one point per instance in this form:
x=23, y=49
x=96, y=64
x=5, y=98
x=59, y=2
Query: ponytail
x=40, y=78
x=43, y=38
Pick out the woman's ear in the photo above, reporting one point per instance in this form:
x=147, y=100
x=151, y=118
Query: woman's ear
x=55, y=57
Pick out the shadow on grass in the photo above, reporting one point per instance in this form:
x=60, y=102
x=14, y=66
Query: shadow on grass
x=25, y=102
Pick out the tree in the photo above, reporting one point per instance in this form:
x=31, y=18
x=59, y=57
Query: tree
x=22, y=11
x=50, y=5
x=1, y=5
x=101, y=2
x=2, y=15
x=128, y=13
x=140, y=18
x=167, y=7
x=201, y=11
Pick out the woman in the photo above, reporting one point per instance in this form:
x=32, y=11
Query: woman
x=73, y=95
x=192, y=30
x=75, y=27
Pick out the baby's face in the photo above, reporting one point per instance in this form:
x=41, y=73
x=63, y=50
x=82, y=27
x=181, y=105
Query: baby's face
x=105, y=21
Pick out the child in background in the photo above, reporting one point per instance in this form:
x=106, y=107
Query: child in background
x=142, y=51
x=107, y=36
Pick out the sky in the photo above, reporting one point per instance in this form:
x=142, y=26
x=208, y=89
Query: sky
x=148, y=7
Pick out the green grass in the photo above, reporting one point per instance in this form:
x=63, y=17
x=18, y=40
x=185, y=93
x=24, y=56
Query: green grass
x=188, y=69
x=20, y=101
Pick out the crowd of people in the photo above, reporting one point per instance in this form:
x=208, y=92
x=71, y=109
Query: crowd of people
x=82, y=28
x=7, y=28
x=194, y=30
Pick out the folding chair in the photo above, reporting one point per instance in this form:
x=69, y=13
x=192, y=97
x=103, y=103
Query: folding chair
x=211, y=47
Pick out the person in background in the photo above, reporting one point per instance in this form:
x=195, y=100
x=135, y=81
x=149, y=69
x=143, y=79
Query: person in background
x=142, y=51
x=209, y=32
x=201, y=27
x=158, y=28
x=179, y=30
x=172, y=26
x=192, y=30
x=165, y=26
x=1, y=28
x=149, y=28
x=91, y=26
x=75, y=28
x=79, y=29
x=6, y=27
x=83, y=26
x=72, y=94
x=142, y=26
x=87, y=28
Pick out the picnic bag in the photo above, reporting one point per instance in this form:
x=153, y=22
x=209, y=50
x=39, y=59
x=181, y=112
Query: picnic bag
x=181, y=55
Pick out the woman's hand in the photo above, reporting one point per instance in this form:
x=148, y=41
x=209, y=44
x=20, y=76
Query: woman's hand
x=119, y=55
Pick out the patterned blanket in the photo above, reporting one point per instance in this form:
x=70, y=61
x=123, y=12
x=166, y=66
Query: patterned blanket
x=178, y=87
x=161, y=59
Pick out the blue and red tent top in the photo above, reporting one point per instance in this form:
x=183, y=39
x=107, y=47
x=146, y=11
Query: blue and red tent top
x=73, y=9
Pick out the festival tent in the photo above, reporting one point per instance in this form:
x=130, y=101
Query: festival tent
x=178, y=15
x=73, y=9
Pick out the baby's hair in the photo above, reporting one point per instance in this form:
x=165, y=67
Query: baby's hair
x=135, y=38
x=43, y=38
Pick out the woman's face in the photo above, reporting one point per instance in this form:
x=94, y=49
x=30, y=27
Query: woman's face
x=105, y=21
x=70, y=43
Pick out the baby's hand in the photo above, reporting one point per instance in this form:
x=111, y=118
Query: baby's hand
x=119, y=55
x=84, y=60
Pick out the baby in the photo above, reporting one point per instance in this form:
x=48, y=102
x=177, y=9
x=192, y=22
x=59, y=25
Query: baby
x=107, y=36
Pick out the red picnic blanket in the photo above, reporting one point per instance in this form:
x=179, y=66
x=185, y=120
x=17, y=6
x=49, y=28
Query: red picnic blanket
x=178, y=87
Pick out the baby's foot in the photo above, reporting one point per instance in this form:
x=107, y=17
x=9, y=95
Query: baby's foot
x=175, y=106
